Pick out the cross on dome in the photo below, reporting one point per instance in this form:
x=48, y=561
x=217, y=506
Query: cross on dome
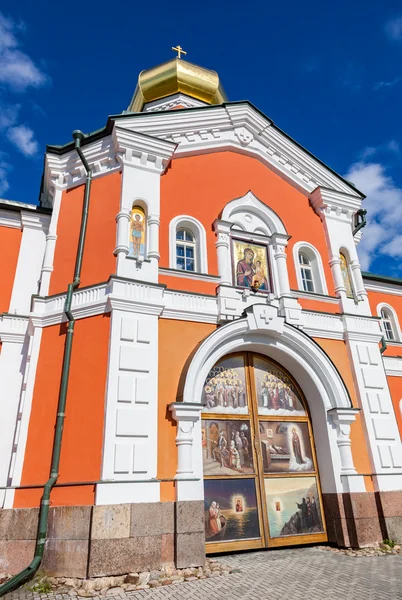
x=179, y=51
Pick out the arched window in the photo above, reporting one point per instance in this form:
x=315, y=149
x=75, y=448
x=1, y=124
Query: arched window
x=185, y=250
x=306, y=271
x=346, y=276
x=309, y=269
x=137, y=234
x=389, y=323
x=187, y=245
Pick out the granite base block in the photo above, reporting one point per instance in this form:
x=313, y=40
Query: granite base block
x=190, y=550
x=69, y=522
x=15, y=555
x=65, y=558
x=393, y=526
x=117, y=557
x=190, y=516
x=111, y=522
x=18, y=523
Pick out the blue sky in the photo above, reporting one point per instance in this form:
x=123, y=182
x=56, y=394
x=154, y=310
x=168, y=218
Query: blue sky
x=329, y=74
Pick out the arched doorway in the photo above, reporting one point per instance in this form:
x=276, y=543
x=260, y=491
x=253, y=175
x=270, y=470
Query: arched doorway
x=261, y=483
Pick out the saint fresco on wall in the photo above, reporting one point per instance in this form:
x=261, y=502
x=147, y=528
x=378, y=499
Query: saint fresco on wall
x=226, y=447
x=225, y=387
x=293, y=506
x=136, y=247
x=251, y=266
x=346, y=276
x=285, y=447
x=276, y=393
x=230, y=510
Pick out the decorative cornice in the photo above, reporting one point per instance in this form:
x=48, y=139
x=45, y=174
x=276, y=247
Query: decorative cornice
x=393, y=365
x=334, y=203
x=10, y=219
x=31, y=220
x=143, y=151
x=13, y=328
x=240, y=127
x=172, y=102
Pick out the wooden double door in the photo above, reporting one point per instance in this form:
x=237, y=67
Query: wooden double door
x=261, y=484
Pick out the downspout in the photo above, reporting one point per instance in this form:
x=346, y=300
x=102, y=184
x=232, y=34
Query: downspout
x=31, y=569
x=360, y=221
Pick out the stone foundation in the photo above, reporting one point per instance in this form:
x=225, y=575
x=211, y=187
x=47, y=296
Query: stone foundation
x=95, y=541
x=363, y=519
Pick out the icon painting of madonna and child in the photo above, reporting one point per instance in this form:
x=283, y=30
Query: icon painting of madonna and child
x=225, y=387
x=230, y=507
x=226, y=447
x=251, y=266
x=285, y=447
x=293, y=506
x=276, y=393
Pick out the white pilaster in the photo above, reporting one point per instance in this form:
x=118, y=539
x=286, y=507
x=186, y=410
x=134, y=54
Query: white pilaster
x=189, y=474
x=130, y=439
x=373, y=391
x=30, y=258
x=58, y=186
x=13, y=356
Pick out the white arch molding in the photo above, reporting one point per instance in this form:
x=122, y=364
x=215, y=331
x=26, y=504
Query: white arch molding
x=263, y=331
x=394, y=320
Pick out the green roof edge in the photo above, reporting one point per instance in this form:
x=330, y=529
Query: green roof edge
x=384, y=278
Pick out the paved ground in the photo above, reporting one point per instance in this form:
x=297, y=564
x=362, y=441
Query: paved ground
x=288, y=574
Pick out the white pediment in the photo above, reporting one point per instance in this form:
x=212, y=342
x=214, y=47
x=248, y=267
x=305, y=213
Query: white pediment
x=250, y=214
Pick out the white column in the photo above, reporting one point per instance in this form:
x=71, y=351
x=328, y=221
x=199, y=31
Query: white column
x=189, y=474
x=343, y=419
x=153, y=237
x=222, y=230
x=335, y=264
x=279, y=243
x=122, y=235
x=51, y=238
x=358, y=279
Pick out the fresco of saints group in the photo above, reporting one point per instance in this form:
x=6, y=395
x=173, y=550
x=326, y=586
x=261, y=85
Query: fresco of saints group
x=136, y=246
x=251, y=266
x=225, y=387
x=276, y=394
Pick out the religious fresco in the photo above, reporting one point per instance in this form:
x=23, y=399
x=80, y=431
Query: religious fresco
x=226, y=447
x=346, y=276
x=276, y=394
x=285, y=447
x=293, y=506
x=225, y=388
x=230, y=510
x=250, y=262
x=136, y=247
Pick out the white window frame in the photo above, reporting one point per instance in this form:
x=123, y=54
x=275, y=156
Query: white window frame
x=200, y=239
x=393, y=318
x=317, y=269
x=187, y=244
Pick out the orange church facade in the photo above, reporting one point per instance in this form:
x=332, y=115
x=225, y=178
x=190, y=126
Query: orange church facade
x=234, y=381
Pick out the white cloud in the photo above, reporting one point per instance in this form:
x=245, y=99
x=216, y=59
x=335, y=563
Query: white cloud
x=4, y=170
x=393, y=28
x=17, y=69
x=381, y=236
x=24, y=139
x=8, y=115
x=387, y=85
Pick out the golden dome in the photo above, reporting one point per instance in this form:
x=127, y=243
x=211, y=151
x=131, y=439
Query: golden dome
x=176, y=76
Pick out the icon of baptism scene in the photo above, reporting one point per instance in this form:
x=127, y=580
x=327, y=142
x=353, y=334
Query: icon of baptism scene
x=230, y=510
x=251, y=266
x=276, y=394
x=226, y=447
x=285, y=447
x=136, y=247
x=225, y=387
x=293, y=506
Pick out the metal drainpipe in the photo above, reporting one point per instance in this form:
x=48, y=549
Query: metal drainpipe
x=32, y=568
x=362, y=212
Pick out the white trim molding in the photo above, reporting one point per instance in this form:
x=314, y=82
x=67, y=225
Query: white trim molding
x=198, y=231
x=394, y=321
x=319, y=281
x=264, y=331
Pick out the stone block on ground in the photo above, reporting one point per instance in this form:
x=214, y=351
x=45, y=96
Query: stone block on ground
x=65, y=558
x=69, y=522
x=190, y=516
x=111, y=522
x=18, y=523
x=116, y=557
x=190, y=550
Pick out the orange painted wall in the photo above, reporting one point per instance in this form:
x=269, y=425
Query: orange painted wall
x=201, y=186
x=316, y=305
x=337, y=351
x=189, y=285
x=83, y=431
x=375, y=298
x=177, y=341
x=98, y=262
x=395, y=387
x=10, y=241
